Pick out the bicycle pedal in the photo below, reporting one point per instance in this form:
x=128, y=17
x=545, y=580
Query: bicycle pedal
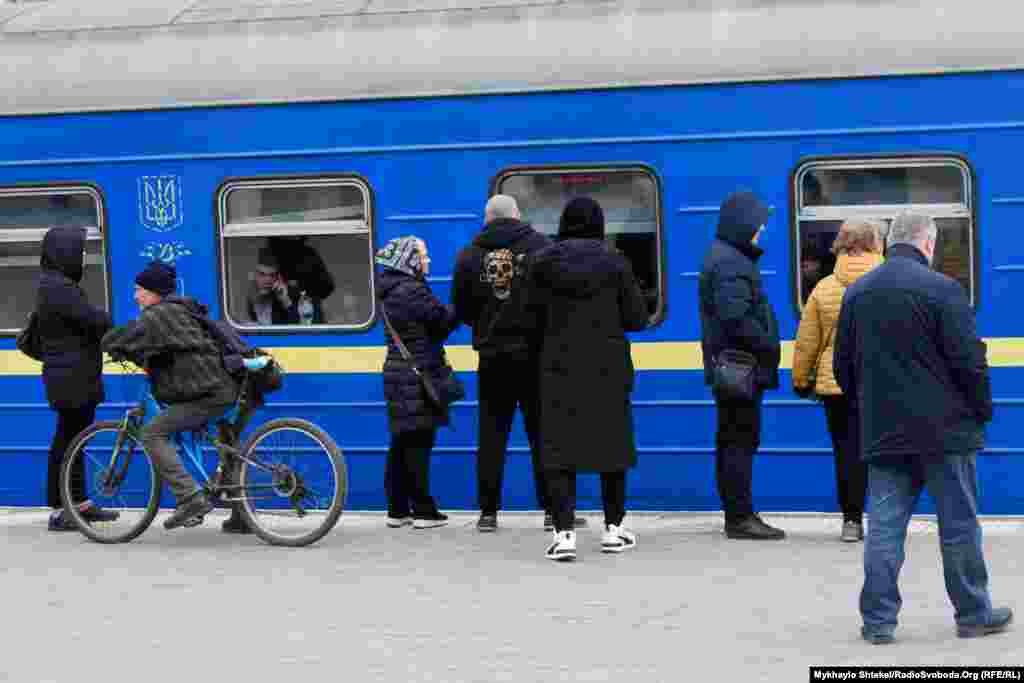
x=192, y=521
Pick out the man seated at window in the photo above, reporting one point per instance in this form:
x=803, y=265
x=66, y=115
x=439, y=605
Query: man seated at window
x=271, y=301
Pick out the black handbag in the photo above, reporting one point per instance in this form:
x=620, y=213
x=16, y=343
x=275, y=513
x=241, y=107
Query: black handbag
x=735, y=376
x=29, y=342
x=442, y=394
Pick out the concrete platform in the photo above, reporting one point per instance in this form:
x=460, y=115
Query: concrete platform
x=374, y=604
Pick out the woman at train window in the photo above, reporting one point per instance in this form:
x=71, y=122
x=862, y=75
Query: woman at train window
x=422, y=323
x=70, y=329
x=586, y=299
x=858, y=250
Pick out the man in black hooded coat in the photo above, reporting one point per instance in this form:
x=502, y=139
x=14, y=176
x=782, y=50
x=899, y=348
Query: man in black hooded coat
x=70, y=329
x=735, y=314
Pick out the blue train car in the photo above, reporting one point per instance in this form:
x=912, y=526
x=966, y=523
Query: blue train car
x=195, y=132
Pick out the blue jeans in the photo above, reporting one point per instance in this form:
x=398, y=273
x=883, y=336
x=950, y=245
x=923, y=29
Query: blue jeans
x=893, y=492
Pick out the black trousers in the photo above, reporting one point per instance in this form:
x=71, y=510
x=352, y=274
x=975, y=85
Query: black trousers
x=69, y=423
x=503, y=385
x=562, y=485
x=737, y=439
x=407, y=474
x=851, y=470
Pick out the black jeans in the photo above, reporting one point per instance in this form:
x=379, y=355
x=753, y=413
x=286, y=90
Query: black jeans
x=562, y=485
x=70, y=422
x=502, y=385
x=737, y=439
x=851, y=470
x=407, y=474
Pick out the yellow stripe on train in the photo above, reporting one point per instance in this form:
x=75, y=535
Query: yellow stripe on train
x=1002, y=352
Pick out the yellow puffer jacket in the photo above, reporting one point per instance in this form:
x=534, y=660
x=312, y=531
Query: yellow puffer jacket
x=815, y=340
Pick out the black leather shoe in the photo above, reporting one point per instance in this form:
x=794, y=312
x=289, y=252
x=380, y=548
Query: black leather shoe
x=194, y=508
x=487, y=523
x=753, y=529
x=235, y=525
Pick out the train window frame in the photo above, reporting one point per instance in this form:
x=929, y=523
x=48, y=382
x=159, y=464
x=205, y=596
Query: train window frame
x=97, y=233
x=227, y=231
x=968, y=209
x=660, y=313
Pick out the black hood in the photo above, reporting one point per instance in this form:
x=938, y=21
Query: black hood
x=502, y=233
x=576, y=268
x=739, y=218
x=62, y=251
x=582, y=218
x=189, y=303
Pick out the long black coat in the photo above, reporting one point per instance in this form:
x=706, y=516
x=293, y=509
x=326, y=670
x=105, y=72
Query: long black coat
x=907, y=350
x=586, y=298
x=423, y=323
x=69, y=326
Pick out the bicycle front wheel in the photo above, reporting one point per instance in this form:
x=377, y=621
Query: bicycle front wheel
x=292, y=482
x=124, y=486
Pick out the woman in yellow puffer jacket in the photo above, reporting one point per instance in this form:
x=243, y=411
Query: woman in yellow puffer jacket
x=858, y=249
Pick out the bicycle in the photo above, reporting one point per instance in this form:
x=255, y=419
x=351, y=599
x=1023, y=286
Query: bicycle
x=276, y=486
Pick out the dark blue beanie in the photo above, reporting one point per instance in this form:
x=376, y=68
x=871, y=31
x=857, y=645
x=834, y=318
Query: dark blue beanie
x=159, y=278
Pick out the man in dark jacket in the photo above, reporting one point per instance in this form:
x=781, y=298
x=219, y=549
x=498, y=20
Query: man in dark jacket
x=70, y=328
x=487, y=291
x=185, y=372
x=735, y=314
x=908, y=353
x=271, y=300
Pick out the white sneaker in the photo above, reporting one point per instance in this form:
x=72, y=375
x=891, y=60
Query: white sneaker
x=617, y=539
x=563, y=546
x=398, y=522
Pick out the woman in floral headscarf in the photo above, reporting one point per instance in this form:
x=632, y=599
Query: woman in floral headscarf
x=423, y=323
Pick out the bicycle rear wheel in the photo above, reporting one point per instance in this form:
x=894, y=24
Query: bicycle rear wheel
x=127, y=485
x=293, y=482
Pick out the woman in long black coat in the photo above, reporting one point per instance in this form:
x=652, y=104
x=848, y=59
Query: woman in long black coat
x=423, y=323
x=587, y=298
x=70, y=329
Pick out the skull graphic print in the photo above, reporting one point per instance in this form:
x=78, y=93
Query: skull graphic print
x=501, y=267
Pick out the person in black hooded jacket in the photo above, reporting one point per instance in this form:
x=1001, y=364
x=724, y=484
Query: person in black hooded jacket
x=487, y=292
x=70, y=329
x=735, y=314
x=586, y=298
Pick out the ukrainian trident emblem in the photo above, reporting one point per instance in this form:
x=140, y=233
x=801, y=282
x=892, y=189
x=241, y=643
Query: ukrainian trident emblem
x=160, y=203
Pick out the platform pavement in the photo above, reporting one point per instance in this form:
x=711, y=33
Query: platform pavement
x=373, y=604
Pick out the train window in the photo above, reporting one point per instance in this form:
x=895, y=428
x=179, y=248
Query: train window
x=297, y=252
x=830, y=192
x=25, y=216
x=632, y=208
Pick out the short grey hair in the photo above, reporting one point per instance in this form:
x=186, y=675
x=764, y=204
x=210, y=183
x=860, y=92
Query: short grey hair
x=501, y=206
x=912, y=228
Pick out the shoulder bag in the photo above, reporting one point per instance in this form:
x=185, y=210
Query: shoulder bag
x=734, y=377
x=449, y=390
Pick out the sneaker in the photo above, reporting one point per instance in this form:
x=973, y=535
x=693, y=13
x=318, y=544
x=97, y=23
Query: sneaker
x=753, y=528
x=998, y=620
x=190, y=511
x=617, y=539
x=877, y=635
x=852, y=532
x=549, y=522
x=235, y=525
x=94, y=513
x=430, y=521
x=487, y=523
x=60, y=522
x=399, y=522
x=563, y=546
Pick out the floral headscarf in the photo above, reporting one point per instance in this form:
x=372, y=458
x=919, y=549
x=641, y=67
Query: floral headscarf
x=402, y=254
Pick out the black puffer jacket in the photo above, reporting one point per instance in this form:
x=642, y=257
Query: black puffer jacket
x=423, y=323
x=183, y=362
x=69, y=326
x=734, y=310
x=488, y=284
x=907, y=350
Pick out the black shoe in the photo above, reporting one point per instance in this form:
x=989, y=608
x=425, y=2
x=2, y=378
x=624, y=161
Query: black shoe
x=235, y=525
x=997, y=621
x=429, y=521
x=752, y=528
x=487, y=523
x=189, y=511
x=94, y=513
x=59, y=521
x=579, y=523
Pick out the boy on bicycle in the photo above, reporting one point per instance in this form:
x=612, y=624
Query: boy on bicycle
x=185, y=373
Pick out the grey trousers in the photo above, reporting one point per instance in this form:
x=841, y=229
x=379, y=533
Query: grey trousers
x=181, y=417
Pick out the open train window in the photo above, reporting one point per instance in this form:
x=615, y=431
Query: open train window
x=829, y=192
x=631, y=202
x=26, y=213
x=297, y=253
